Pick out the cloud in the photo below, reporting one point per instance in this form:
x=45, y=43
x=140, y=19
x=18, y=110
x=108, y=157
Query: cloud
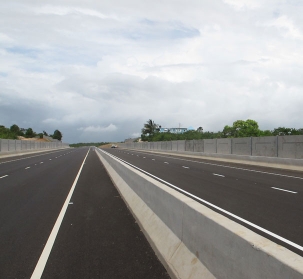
x=97, y=129
x=109, y=67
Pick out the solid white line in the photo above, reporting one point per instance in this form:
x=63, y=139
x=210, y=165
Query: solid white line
x=185, y=167
x=27, y=168
x=212, y=205
x=3, y=176
x=230, y=167
x=284, y=190
x=218, y=174
x=51, y=239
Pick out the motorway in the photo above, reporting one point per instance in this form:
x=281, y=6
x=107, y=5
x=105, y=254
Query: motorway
x=61, y=217
x=266, y=200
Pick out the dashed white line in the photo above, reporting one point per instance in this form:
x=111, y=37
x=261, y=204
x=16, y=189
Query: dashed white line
x=41, y=162
x=144, y=157
x=153, y=159
x=166, y=163
x=218, y=174
x=284, y=190
x=27, y=168
x=185, y=167
x=3, y=176
x=50, y=159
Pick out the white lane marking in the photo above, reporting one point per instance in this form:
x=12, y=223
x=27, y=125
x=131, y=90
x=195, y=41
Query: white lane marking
x=27, y=168
x=212, y=205
x=153, y=159
x=52, y=237
x=137, y=155
x=41, y=162
x=4, y=176
x=144, y=157
x=230, y=167
x=218, y=174
x=166, y=163
x=185, y=167
x=70, y=203
x=284, y=190
x=50, y=159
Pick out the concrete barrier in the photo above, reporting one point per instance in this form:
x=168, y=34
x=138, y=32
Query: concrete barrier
x=224, y=146
x=241, y=146
x=193, y=241
x=198, y=146
x=189, y=145
x=210, y=146
x=265, y=146
x=181, y=145
x=291, y=147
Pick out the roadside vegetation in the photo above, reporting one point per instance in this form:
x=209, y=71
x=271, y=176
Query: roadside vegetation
x=81, y=144
x=15, y=131
x=239, y=129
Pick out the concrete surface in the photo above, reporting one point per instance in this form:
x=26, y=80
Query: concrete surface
x=201, y=243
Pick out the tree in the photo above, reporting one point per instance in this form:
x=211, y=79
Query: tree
x=15, y=129
x=150, y=128
x=45, y=134
x=200, y=130
x=241, y=129
x=29, y=133
x=57, y=135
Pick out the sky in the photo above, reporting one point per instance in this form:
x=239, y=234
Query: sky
x=99, y=70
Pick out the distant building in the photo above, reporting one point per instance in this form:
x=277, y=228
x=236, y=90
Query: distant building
x=173, y=130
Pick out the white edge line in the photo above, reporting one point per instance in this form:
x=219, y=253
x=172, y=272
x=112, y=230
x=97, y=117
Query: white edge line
x=284, y=190
x=51, y=239
x=214, y=206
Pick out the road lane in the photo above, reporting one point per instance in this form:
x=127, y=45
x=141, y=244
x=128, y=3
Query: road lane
x=30, y=201
x=244, y=191
x=99, y=237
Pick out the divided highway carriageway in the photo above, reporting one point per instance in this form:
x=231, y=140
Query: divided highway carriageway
x=266, y=200
x=62, y=217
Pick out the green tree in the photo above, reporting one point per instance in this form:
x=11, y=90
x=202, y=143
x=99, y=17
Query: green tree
x=15, y=129
x=57, y=135
x=29, y=133
x=241, y=129
x=150, y=129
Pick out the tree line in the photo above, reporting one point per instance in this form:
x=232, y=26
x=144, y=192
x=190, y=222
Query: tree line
x=15, y=131
x=239, y=129
x=81, y=144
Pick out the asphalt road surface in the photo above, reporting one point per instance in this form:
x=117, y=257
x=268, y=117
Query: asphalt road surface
x=61, y=217
x=266, y=200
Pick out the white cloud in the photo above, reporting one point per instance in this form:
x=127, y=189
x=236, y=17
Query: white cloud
x=98, y=129
x=203, y=63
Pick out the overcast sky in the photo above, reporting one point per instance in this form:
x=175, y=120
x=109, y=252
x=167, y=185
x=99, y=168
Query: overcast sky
x=98, y=70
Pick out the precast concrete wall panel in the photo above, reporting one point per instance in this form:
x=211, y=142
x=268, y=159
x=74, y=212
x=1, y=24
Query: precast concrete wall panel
x=224, y=146
x=210, y=146
x=18, y=145
x=24, y=145
x=241, y=146
x=264, y=146
x=198, y=146
x=181, y=145
x=32, y=144
x=163, y=145
x=168, y=145
x=174, y=145
x=290, y=147
x=189, y=145
x=4, y=145
x=11, y=145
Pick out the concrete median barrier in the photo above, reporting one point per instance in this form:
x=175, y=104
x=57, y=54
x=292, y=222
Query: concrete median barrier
x=193, y=241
